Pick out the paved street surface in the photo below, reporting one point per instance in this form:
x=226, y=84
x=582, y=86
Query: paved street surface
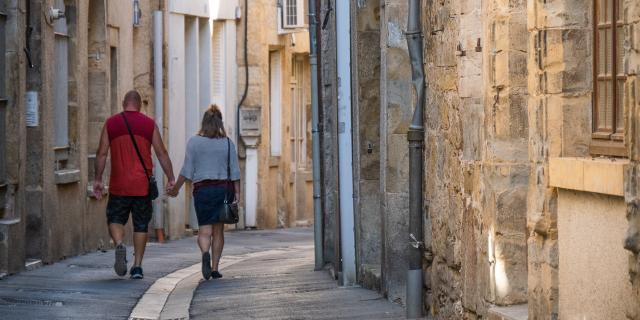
x=267, y=275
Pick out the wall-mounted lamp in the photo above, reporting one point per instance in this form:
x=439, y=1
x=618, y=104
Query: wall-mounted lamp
x=238, y=13
x=137, y=13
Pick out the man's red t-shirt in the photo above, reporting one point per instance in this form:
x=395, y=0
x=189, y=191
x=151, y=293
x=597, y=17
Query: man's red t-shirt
x=127, y=175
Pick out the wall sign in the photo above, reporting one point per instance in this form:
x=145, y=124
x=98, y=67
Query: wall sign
x=31, y=100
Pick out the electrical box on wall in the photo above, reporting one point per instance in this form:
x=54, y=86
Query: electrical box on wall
x=250, y=125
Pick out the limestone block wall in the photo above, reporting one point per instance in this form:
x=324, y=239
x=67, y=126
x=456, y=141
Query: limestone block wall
x=632, y=176
x=366, y=85
x=505, y=160
x=13, y=134
x=559, y=84
x=328, y=126
x=443, y=167
x=476, y=149
x=395, y=116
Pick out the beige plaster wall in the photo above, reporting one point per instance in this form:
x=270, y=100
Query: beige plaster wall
x=593, y=271
x=284, y=193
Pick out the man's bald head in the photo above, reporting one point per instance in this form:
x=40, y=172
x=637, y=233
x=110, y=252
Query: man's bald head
x=132, y=100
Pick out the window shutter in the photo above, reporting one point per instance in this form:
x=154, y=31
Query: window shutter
x=61, y=84
x=217, y=63
x=275, y=91
x=609, y=78
x=292, y=14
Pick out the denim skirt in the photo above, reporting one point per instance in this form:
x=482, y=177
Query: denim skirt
x=209, y=203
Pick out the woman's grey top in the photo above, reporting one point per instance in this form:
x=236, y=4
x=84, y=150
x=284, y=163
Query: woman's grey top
x=206, y=159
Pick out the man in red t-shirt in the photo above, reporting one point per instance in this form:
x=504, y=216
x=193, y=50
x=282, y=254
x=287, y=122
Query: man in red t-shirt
x=128, y=183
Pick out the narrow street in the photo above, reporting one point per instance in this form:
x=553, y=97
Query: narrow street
x=267, y=275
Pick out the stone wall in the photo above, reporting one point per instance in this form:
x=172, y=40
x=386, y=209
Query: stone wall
x=13, y=132
x=560, y=84
x=328, y=126
x=366, y=86
x=61, y=220
x=396, y=110
x=476, y=156
x=443, y=168
x=632, y=174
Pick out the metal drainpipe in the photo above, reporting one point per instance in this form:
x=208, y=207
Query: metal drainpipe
x=158, y=213
x=415, y=135
x=246, y=72
x=317, y=209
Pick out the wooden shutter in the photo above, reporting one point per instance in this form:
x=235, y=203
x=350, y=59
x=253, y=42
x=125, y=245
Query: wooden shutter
x=609, y=78
x=275, y=103
x=218, y=62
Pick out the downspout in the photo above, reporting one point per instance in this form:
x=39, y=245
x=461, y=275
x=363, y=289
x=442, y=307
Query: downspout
x=315, y=136
x=158, y=217
x=345, y=142
x=246, y=74
x=415, y=136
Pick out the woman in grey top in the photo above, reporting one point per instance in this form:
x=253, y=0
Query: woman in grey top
x=205, y=165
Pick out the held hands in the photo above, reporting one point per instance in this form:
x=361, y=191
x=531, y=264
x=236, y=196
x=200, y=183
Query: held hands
x=171, y=189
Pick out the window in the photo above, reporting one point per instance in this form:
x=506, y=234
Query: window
x=113, y=80
x=61, y=82
x=291, y=14
x=609, y=79
x=218, y=63
x=298, y=115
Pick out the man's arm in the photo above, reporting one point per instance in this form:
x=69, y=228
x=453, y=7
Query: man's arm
x=163, y=157
x=101, y=161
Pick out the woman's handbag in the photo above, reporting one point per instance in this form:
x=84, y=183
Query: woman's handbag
x=229, y=214
x=153, y=185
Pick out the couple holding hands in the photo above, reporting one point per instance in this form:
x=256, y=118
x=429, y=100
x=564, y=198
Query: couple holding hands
x=210, y=163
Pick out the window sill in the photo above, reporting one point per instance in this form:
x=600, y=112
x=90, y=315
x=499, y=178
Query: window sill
x=9, y=222
x=67, y=176
x=274, y=161
x=599, y=175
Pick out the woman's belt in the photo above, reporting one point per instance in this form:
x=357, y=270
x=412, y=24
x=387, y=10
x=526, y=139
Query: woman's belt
x=210, y=183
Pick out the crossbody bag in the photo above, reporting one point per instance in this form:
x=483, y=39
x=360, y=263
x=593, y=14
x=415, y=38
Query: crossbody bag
x=229, y=214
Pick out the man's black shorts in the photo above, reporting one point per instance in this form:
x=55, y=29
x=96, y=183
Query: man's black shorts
x=141, y=210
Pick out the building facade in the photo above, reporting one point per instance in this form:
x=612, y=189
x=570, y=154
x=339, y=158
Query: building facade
x=530, y=170
x=276, y=158
x=63, y=73
x=65, y=66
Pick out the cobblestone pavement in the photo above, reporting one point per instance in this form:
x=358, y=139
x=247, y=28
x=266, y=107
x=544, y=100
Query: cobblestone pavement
x=275, y=280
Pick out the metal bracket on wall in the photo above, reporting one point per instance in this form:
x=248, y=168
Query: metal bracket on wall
x=478, y=46
x=414, y=242
x=327, y=14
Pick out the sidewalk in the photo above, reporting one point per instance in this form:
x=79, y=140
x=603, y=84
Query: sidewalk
x=276, y=282
x=284, y=286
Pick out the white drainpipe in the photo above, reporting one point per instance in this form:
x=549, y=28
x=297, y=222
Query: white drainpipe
x=251, y=187
x=345, y=148
x=158, y=218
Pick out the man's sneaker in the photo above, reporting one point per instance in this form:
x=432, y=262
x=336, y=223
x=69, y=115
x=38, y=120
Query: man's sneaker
x=216, y=275
x=206, y=265
x=136, y=273
x=120, y=266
